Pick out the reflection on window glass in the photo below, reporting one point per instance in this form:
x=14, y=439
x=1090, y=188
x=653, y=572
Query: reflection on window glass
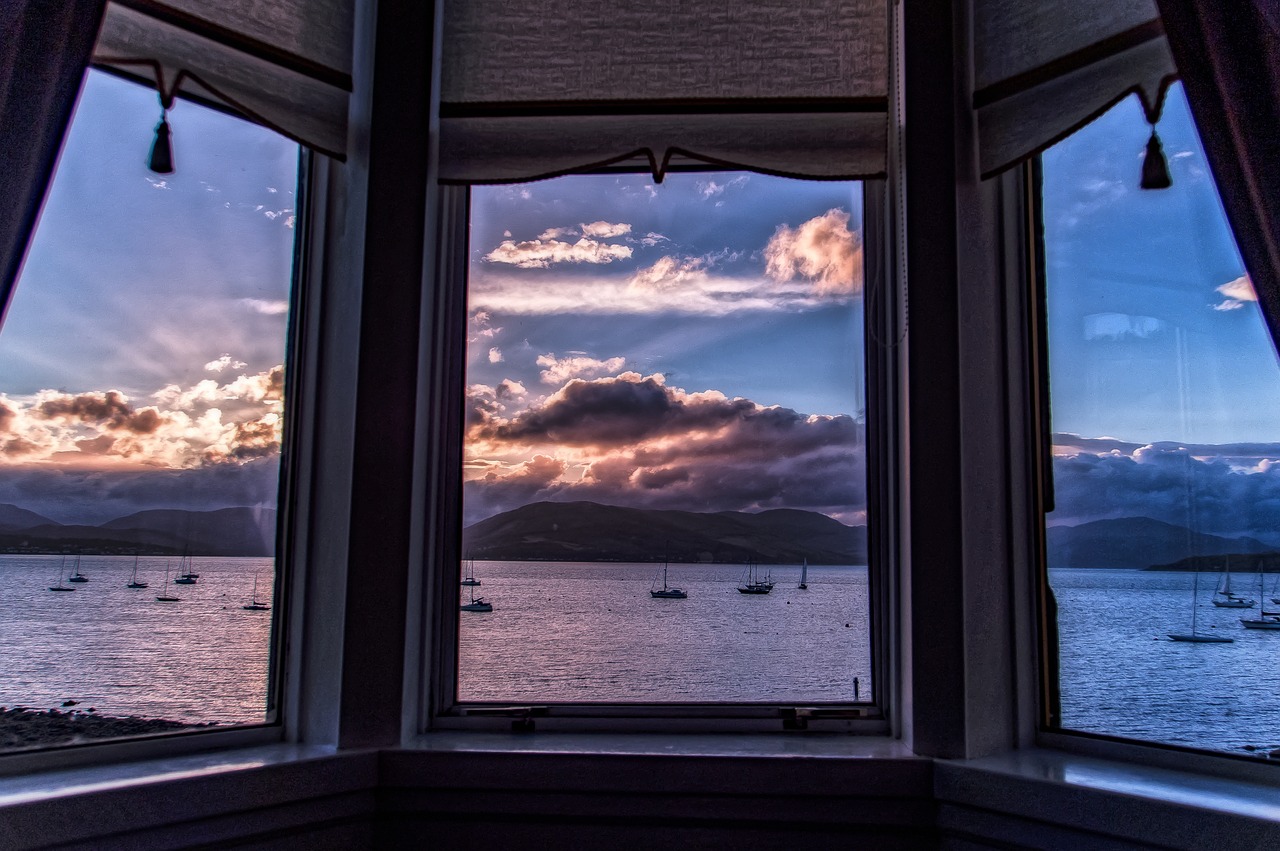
x=1164, y=544
x=664, y=490
x=141, y=373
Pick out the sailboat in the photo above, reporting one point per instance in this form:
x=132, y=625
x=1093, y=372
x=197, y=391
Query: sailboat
x=804, y=576
x=1265, y=619
x=470, y=577
x=1193, y=636
x=133, y=581
x=1223, y=598
x=255, y=606
x=667, y=592
x=76, y=575
x=185, y=575
x=60, y=586
x=166, y=597
x=754, y=584
x=477, y=604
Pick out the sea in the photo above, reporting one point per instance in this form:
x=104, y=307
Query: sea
x=591, y=632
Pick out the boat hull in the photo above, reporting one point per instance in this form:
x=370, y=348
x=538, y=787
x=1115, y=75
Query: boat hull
x=670, y=594
x=1197, y=638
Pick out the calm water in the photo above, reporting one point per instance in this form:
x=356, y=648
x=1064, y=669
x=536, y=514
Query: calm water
x=591, y=632
x=1121, y=675
x=120, y=651
x=563, y=632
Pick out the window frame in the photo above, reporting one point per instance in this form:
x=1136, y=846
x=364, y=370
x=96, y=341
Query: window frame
x=1049, y=733
x=299, y=385
x=445, y=316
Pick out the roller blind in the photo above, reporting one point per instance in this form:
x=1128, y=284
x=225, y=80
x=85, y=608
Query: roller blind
x=1044, y=69
x=285, y=64
x=530, y=90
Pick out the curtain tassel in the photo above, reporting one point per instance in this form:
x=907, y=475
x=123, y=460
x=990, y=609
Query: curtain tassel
x=161, y=161
x=1155, y=168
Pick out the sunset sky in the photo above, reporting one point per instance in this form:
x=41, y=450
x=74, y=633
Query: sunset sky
x=140, y=362
x=694, y=344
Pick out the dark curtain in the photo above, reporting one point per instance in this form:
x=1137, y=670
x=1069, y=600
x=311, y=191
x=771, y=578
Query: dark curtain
x=45, y=46
x=1228, y=56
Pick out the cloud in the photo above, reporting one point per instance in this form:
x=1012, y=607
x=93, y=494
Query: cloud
x=495, y=355
x=822, y=250
x=1235, y=293
x=710, y=189
x=551, y=233
x=267, y=307
x=651, y=239
x=632, y=440
x=1225, y=489
x=223, y=362
x=186, y=427
x=560, y=370
x=541, y=253
x=605, y=230
x=509, y=389
x=670, y=273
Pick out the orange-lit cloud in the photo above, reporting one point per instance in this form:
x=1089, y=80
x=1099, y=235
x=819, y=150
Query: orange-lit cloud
x=822, y=250
x=1235, y=293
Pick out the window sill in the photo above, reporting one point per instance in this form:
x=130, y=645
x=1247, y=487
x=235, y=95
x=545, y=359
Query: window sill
x=1030, y=793
x=511, y=786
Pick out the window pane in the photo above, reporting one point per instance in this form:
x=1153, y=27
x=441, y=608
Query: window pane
x=141, y=372
x=664, y=491
x=1166, y=410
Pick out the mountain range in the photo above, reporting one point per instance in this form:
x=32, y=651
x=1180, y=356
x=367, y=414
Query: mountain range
x=588, y=531
x=162, y=531
x=1138, y=542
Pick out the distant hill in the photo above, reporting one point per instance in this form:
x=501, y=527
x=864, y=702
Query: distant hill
x=222, y=532
x=13, y=517
x=1137, y=542
x=1238, y=562
x=587, y=531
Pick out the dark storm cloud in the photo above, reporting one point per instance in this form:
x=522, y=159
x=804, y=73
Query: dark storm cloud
x=1231, y=489
x=613, y=412
x=663, y=448
x=108, y=409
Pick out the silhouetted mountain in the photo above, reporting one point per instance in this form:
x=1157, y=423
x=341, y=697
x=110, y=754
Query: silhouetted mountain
x=13, y=517
x=587, y=531
x=223, y=532
x=1137, y=542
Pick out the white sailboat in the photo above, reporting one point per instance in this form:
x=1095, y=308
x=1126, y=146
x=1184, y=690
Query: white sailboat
x=667, y=592
x=1193, y=636
x=804, y=576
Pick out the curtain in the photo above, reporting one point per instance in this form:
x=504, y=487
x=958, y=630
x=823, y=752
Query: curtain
x=44, y=49
x=1228, y=56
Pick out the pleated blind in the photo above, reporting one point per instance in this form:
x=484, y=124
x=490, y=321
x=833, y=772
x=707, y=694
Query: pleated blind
x=1044, y=69
x=285, y=64
x=530, y=90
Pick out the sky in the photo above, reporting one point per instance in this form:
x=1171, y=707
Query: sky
x=141, y=357
x=693, y=345
x=1164, y=384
